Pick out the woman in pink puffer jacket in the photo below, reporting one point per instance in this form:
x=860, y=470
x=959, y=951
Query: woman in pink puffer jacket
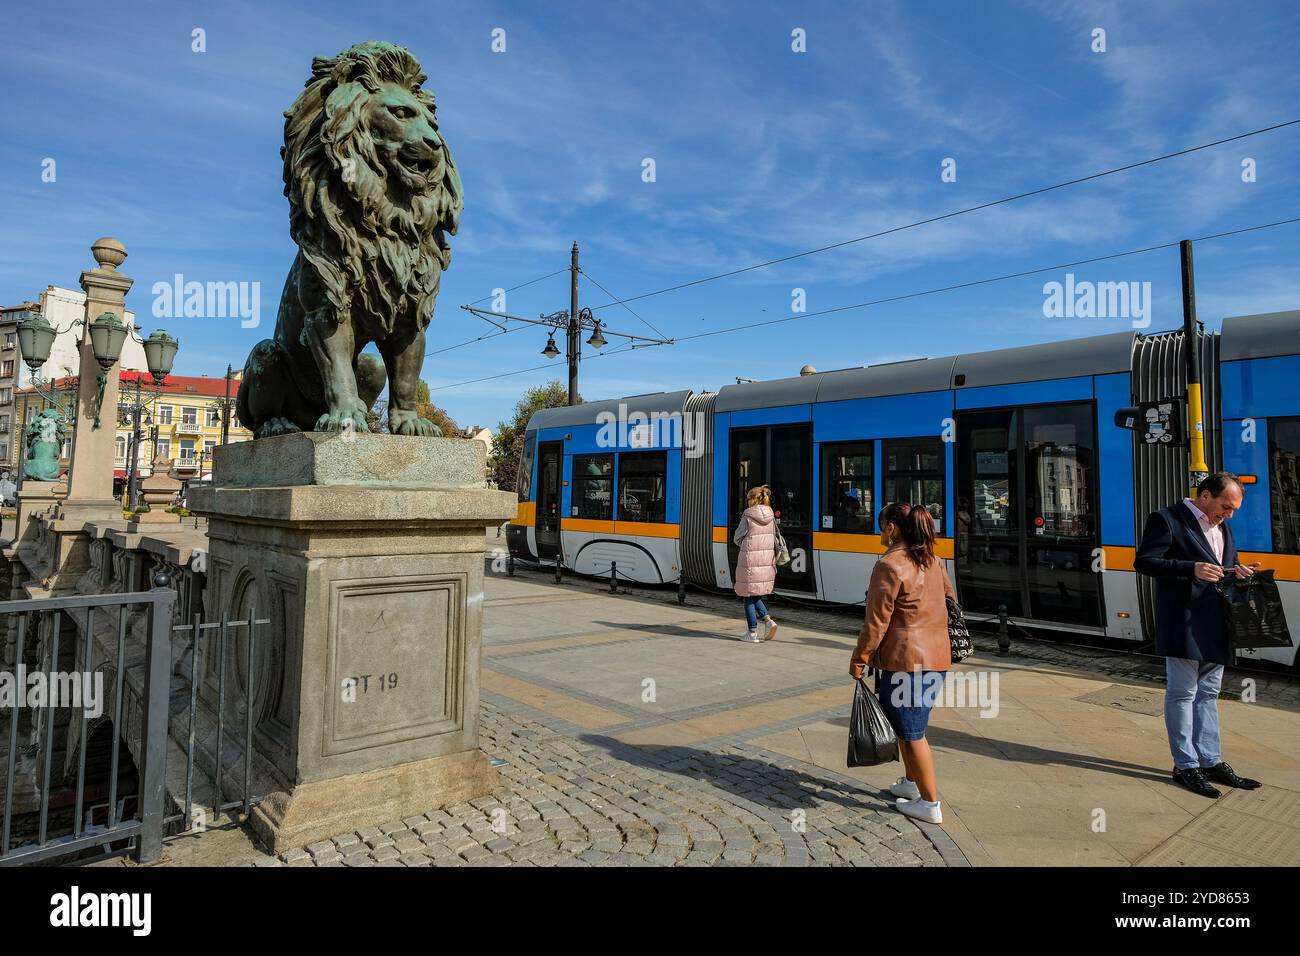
x=756, y=566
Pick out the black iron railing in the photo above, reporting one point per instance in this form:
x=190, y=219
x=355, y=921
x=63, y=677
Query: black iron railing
x=145, y=826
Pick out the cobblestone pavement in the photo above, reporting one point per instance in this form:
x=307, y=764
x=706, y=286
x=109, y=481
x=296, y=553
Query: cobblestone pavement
x=592, y=801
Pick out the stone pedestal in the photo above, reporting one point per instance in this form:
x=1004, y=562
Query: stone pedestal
x=157, y=493
x=34, y=498
x=365, y=552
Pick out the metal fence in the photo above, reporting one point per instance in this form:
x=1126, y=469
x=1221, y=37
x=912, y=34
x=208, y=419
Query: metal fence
x=146, y=825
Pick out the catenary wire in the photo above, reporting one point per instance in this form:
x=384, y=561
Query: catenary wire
x=644, y=321
x=909, y=295
x=951, y=215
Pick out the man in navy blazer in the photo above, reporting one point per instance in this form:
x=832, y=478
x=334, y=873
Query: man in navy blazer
x=1187, y=548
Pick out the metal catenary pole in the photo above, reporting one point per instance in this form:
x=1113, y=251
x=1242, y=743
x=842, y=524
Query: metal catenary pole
x=1197, y=468
x=575, y=342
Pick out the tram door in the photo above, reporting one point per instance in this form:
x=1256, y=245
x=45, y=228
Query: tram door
x=1027, y=525
x=779, y=456
x=549, y=458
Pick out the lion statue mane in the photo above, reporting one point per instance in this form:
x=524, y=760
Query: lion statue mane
x=373, y=195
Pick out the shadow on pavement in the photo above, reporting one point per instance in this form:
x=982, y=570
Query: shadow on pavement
x=766, y=784
x=677, y=630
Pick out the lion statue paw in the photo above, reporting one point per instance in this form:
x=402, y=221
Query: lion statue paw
x=409, y=423
x=341, y=420
x=277, y=426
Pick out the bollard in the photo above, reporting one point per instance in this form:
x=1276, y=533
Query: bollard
x=1004, y=636
x=510, y=565
x=558, y=570
x=613, y=577
x=681, y=589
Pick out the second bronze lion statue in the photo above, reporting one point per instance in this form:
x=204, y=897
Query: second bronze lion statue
x=373, y=193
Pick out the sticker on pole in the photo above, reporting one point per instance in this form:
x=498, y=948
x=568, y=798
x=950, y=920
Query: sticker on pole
x=1157, y=423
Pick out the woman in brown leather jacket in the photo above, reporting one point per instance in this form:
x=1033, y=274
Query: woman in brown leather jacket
x=905, y=637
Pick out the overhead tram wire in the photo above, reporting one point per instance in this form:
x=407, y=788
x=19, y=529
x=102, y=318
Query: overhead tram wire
x=501, y=331
x=991, y=279
x=522, y=285
x=637, y=315
x=909, y=295
x=951, y=215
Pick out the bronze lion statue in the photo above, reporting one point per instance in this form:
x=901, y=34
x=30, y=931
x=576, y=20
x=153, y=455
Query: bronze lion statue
x=373, y=194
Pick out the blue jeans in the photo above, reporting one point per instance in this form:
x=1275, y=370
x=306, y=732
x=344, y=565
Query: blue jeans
x=907, y=697
x=1192, y=712
x=754, y=609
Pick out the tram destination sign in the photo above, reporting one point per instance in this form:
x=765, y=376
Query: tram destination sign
x=1157, y=423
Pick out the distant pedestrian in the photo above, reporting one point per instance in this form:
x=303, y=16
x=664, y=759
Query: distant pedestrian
x=1188, y=548
x=904, y=636
x=756, y=566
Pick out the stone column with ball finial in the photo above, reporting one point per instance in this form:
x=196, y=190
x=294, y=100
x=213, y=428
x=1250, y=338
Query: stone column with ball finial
x=90, y=478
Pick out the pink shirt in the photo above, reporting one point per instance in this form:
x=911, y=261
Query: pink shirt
x=1213, y=532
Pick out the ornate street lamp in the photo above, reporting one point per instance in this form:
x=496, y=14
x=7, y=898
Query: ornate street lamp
x=159, y=352
x=35, y=339
x=550, y=351
x=107, y=334
x=597, y=340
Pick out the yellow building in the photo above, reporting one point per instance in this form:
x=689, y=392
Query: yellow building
x=182, y=419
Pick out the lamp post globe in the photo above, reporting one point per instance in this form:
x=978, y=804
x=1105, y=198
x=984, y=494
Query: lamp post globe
x=159, y=352
x=107, y=335
x=35, y=339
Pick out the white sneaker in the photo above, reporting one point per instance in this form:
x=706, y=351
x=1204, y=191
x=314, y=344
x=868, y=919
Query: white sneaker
x=905, y=789
x=769, y=630
x=923, y=810
x=751, y=637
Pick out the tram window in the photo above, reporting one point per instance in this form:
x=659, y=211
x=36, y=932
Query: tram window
x=642, y=486
x=914, y=473
x=592, y=487
x=1284, y=483
x=524, y=477
x=791, y=457
x=1059, y=471
x=847, y=504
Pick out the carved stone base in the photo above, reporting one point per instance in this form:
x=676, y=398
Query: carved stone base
x=327, y=808
x=364, y=556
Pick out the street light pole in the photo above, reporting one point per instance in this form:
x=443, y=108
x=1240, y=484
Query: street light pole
x=575, y=343
x=132, y=483
x=225, y=411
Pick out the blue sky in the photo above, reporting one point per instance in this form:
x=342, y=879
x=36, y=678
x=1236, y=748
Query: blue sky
x=759, y=151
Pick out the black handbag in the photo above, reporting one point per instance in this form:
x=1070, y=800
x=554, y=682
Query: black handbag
x=1252, y=611
x=958, y=633
x=871, y=737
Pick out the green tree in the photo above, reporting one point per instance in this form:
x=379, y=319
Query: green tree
x=435, y=413
x=426, y=408
x=508, y=442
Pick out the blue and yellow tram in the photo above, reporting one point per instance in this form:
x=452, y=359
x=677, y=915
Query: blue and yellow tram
x=1038, y=496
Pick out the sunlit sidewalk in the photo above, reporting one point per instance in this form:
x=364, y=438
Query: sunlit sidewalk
x=1040, y=764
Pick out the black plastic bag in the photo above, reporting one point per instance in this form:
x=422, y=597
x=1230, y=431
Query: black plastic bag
x=1252, y=611
x=871, y=738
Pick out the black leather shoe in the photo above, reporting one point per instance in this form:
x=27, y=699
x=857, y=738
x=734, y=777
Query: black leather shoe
x=1224, y=774
x=1194, y=780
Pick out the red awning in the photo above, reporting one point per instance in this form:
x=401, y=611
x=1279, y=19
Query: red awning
x=119, y=473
